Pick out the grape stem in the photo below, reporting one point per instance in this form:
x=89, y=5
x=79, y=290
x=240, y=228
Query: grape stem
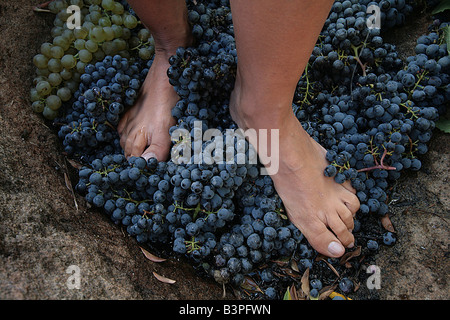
x=380, y=165
x=411, y=146
x=192, y=245
x=307, y=93
x=409, y=109
x=363, y=66
x=422, y=75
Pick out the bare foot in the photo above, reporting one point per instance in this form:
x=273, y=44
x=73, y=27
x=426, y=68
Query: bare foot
x=144, y=128
x=322, y=209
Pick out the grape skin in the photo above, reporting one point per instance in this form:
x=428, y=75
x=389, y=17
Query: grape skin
x=98, y=36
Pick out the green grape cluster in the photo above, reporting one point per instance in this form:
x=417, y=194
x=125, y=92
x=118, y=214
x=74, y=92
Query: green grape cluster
x=107, y=28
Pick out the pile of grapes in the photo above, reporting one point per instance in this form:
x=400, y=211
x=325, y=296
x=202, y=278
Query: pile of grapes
x=372, y=111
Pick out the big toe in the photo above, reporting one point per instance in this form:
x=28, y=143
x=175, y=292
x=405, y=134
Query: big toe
x=323, y=240
x=159, y=147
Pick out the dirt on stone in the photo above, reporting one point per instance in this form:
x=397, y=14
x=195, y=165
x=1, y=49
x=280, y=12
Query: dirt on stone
x=45, y=228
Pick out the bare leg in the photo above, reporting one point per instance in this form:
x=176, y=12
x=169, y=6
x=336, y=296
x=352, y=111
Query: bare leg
x=144, y=129
x=274, y=41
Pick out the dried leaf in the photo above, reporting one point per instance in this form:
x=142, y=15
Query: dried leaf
x=42, y=7
x=332, y=268
x=75, y=164
x=163, y=279
x=250, y=285
x=301, y=295
x=69, y=186
x=67, y=181
x=324, y=259
x=290, y=272
x=387, y=223
x=151, y=256
x=326, y=291
x=349, y=255
x=282, y=262
x=305, y=282
x=294, y=266
x=293, y=293
x=278, y=274
x=37, y=9
x=320, y=257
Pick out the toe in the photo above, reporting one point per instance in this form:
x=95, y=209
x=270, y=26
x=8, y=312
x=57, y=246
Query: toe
x=352, y=203
x=323, y=240
x=127, y=144
x=346, y=215
x=341, y=230
x=139, y=144
x=159, y=147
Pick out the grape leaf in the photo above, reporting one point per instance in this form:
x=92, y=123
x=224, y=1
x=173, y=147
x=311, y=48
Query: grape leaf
x=444, y=122
x=441, y=7
x=447, y=37
x=444, y=125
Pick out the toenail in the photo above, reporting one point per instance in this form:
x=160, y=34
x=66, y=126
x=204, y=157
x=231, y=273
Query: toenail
x=351, y=245
x=335, y=248
x=148, y=155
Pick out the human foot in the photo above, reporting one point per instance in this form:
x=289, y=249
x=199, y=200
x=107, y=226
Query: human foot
x=144, y=128
x=322, y=209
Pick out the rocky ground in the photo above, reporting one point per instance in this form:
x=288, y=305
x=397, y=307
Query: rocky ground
x=45, y=228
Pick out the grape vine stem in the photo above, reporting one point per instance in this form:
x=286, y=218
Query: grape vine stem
x=380, y=165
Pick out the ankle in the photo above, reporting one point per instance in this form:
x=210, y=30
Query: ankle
x=167, y=46
x=252, y=106
x=257, y=112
